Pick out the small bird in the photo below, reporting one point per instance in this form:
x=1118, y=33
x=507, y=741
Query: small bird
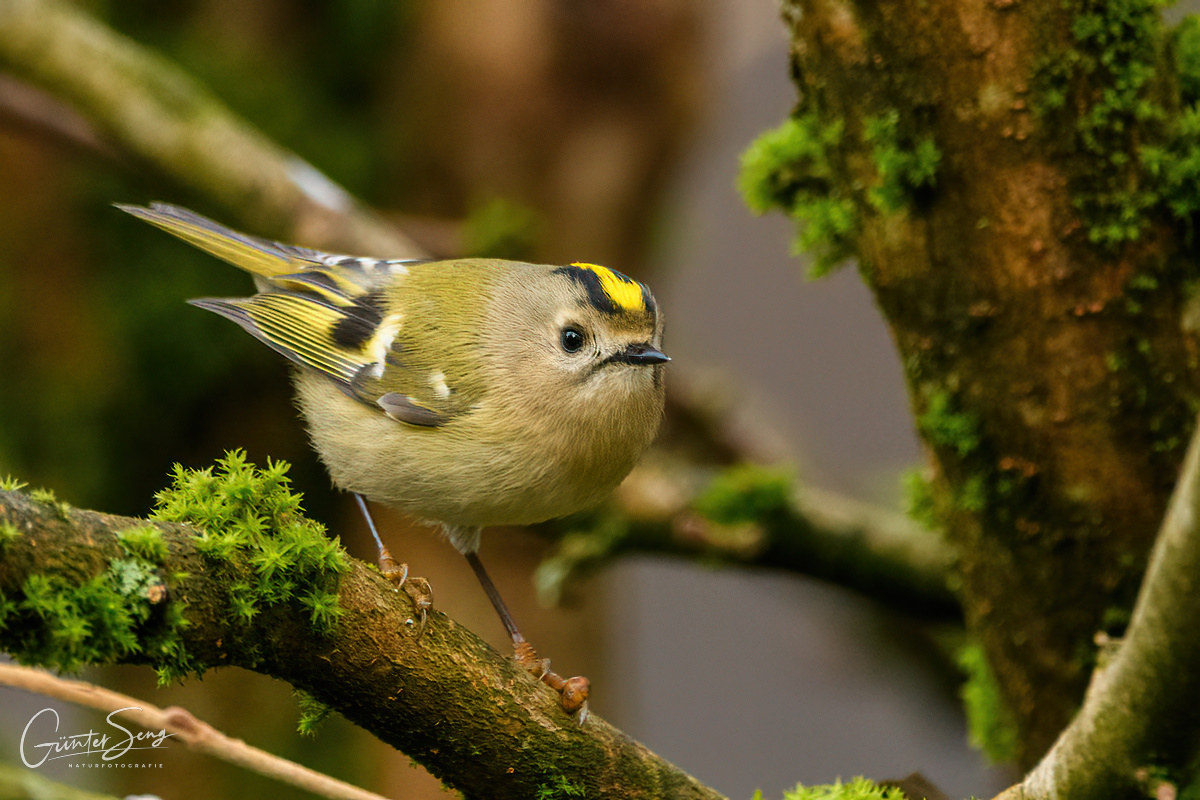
x=466, y=392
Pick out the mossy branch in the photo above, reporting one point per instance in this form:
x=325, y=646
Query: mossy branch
x=758, y=516
x=1140, y=720
x=80, y=587
x=151, y=110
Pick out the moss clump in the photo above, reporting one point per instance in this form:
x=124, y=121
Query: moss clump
x=145, y=542
x=990, y=723
x=255, y=535
x=1100, y=92
x=746, y=493
x=10, y=484
x=942, y=425
x=791, y=168
x=856, y=789
x=902, y=168
x=312, y=713
x=63, y=623
x=560, y=789
x=8, y=534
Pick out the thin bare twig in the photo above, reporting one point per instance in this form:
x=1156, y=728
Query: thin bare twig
x=179, y=722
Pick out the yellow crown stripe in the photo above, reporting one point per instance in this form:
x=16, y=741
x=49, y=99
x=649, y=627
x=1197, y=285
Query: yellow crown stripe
x=624, y=292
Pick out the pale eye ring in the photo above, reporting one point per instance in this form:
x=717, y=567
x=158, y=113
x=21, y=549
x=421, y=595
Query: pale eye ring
x=572, y=339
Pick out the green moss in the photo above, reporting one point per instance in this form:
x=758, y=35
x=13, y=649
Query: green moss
x=856, y=789
x=65, y=624
x=791, y=168
x=8, y=534
x=746, y=493
x=991, y=725
x=312, y=713
x=561, y=787
x=902, y=167
x=501, y=228
x=9, y=483
x=942, y=425
x=919, y=501
x=1187, y=58
x=145, y=542
x=254, y=533
x=1099, y=95
x=48, y=498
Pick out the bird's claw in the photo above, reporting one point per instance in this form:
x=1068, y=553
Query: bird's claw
x=421, y=593
x=572, y=692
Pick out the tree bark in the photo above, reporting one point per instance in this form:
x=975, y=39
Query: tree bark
x=1034, y=289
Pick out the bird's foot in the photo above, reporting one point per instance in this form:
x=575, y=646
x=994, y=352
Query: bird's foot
x=394, y=571
x=572, y=692
x=422, y=596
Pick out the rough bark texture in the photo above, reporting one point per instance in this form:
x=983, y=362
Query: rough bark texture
x=1043, y=351
x=1140, y=723
x=472, y=717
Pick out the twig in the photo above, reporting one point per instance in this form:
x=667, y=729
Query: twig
x=1143, y=706
x=195, y=734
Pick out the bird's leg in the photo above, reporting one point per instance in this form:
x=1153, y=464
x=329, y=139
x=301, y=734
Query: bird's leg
x=396, y=573
x=573, y=691
x=417, y=588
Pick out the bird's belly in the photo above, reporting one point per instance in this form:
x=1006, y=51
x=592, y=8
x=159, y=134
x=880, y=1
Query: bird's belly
x=453, y=474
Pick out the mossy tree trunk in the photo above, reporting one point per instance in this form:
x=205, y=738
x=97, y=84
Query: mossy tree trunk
x=1012, y=180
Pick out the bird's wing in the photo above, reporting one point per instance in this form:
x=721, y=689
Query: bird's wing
x=324, y=312
x=261, y=257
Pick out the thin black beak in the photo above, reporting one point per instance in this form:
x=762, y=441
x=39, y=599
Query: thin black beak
x=641, y=354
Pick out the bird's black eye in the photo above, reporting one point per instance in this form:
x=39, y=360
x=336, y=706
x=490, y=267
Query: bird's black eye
x=572, y=340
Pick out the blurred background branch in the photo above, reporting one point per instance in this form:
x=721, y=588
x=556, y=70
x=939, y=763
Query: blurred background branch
x=153, y=112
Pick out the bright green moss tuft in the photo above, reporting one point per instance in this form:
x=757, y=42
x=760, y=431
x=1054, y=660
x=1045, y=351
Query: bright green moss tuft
x=990, y=722
x=254, y=530
x=560, y=788
x=312, y=713
x=145, y=542
x=856, y=789
x=64, y=624
x=1101, y=93
x=9, y=483
x=791, y=168
x=324, y=609
x=746, y=493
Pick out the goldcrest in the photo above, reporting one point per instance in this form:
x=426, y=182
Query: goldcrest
x=466, y=392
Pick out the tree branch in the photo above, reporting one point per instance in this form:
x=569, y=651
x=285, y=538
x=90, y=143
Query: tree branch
x=151, y=109
x=755, y=516
x=1142, y=708
x=473, y=718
